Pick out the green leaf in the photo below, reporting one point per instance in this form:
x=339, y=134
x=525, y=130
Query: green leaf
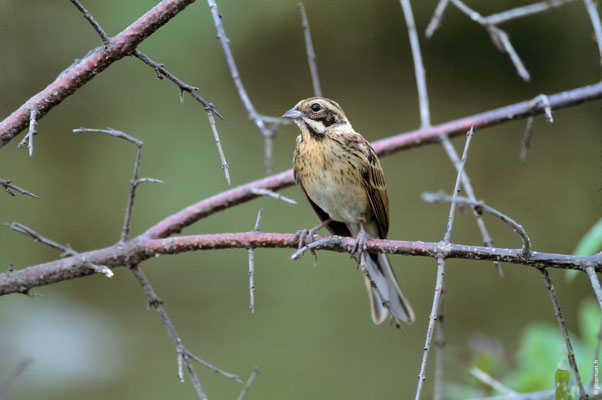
x=561, y=381
x=589, y=245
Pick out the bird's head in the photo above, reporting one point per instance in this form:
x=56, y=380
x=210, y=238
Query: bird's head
x=318, y=115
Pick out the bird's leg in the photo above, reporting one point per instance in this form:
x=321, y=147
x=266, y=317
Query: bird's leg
x=360, y=248
x=306, y=236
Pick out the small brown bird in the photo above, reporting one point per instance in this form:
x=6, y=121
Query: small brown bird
x=342, y=178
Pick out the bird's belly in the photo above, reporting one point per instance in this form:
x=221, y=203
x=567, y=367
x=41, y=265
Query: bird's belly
x=345, y=200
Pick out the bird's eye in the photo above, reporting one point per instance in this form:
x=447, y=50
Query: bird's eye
x=316, y=107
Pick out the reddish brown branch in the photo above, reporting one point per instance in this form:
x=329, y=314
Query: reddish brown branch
x=95, y=62
x=137, y=250
x=433, y=134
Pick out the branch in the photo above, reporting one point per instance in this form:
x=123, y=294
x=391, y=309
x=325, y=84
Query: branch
x=84, y=70
x=481, y=207
x=565, y=334
x=311, y=54
x=9, y=187
x=139, y=249
x=55, y=271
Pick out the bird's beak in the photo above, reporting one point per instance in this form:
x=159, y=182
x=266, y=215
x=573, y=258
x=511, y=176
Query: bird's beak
x=293, y=113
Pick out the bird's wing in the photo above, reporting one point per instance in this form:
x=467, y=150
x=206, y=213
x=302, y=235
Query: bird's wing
x=336, y=228
x=374, y=184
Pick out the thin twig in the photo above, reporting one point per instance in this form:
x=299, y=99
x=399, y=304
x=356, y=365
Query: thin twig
x=593, y=278
x=245, y=390
x=33, y=115
x=134, y=181
x=9, y=187
x=440, y=344
x=595, y=18
x=541, y=100
x=453, y=155
x=184, y=356
x=436, y=18
x=444, y=245
x=311, y=55
x=525, y=11
x=218, y=142
x=425, y=116
x=161, y=72
x=67, y=251
x=7, y=384
x=565, y=334
x=499, y=38
x=253, y=115
x=252, y=266
x=596, y=360
x=265, y=192
x=103, y=36
x=490, y=381
x=480, y=207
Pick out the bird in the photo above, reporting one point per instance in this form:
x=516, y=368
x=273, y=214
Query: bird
x=342, y=178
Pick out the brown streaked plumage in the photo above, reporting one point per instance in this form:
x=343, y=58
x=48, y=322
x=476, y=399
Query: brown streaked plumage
x=342, y=178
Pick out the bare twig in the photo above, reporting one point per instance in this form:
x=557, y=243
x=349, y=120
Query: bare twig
x=67, y=251
x=259, y=121
x=9, y=187
x=593, y=278
x=480, y=207
x=489, y=381
x=441, y=270
x=525, y=11
x=222, y=156
x=436, y=18
x=265, y=192
x=33, y=115
x=311, y=54
x=440, y=344
x=544, y=101
x=245, y=390
x=565, y=334
x=425, y=116
x=161, y=72
x=106, y=40
x=84, y=70
x=184, y=356
x=7, y=384
x=596, y=360
x=252, y=266
x=595, y=18
x=134, y=182
x=453, y=155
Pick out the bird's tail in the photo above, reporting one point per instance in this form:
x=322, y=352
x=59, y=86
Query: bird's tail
x=383, y=282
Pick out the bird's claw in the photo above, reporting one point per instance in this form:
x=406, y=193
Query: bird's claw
x=360, y=248
x=306, y=237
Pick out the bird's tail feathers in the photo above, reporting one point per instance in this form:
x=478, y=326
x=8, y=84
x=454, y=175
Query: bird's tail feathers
x=382, y=281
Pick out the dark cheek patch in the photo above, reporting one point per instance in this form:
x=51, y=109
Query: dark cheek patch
x=330, y=118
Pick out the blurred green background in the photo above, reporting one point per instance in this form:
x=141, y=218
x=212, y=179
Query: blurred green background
x=311, y=332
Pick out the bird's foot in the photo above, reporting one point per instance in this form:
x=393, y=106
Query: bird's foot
x=360, y=248
x=306, y=237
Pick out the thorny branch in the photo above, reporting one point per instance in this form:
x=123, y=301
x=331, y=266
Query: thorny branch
x=480, y=207
x=440, y=272
x=11, y=189
x=82, y=71
x=260, y=121
x=311, y=54
x=565, y=334
x=184, y=356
